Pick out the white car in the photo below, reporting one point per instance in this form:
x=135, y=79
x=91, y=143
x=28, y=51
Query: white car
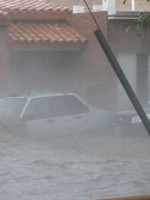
x=54, y=114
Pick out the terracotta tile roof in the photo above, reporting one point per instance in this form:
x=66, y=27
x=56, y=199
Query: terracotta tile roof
x=13, y=7
x=45, y=33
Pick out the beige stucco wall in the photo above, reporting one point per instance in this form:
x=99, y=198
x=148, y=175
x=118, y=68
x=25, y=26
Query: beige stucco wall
x=140, y=5
x=70, y=3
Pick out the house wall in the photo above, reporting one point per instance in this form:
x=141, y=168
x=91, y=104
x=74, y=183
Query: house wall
x=85, y=72
x=140, y=5
x=55, y=71
x=70, y=3
x=4, y=60
x=128, y=36
x=127, y=45
x=123, y=7
x=97, y=74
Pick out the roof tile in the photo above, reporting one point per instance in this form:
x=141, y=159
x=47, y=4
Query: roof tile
x=10, y=7
x=31, y=32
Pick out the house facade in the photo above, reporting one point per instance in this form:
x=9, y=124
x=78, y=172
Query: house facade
x=43, y=46
x=132, y=5
x=132, y=49
x=112, y=6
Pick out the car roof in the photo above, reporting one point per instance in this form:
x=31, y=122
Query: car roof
x=36, y=95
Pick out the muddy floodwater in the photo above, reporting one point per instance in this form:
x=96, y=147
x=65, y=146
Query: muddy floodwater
x=76, y=167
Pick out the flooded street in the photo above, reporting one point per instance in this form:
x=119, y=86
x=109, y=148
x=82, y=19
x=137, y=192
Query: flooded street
x=75, y=167
x=80, y=68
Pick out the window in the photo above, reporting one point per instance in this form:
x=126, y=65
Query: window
x=55, y=106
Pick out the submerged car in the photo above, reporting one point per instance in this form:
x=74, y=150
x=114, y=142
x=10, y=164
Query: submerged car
x=53, y=114
x=128, y=120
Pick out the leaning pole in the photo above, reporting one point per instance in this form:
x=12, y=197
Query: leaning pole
x=121, y=76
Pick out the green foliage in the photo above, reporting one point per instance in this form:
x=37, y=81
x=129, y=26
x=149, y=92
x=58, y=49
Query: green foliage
x=143, y=20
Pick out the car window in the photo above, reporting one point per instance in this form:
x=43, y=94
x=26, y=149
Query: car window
x=12, y=105
x=49, y=107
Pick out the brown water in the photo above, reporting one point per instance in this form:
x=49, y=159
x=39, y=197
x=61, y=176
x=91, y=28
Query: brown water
x=76, y=168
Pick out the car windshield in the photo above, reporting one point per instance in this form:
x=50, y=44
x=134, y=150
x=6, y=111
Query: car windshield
x=12, y=105
x=66, y=105
x=55, y=106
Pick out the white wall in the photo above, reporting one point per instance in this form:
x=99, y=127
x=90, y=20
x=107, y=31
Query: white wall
x=127, y=61
x=105, y=5
x=110, y=6
x=133, y=5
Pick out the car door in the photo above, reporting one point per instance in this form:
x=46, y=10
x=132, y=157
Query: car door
x=55, y=115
